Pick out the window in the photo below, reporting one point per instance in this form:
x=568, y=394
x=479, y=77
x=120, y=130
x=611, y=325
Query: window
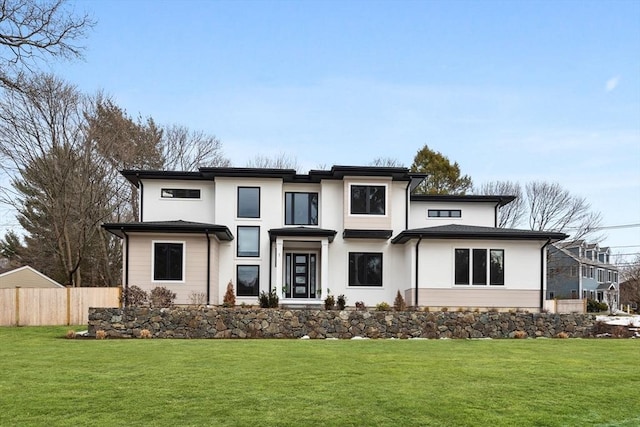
x=615, y=276
x=496, y=267
x=600, y=275
x=471, y=267
x=552, y=295
x=574, y=294
x=179, y=193
x=462, y=267
x=444, y=213
x=248, y=202
x=368, y=200
x=301, y=209
x=574, y=271
x=248, y=241
x=248, y=280
x=479, y=266
x=590, y=272
x=168, y=261
x=365, y=269
x=584, y=271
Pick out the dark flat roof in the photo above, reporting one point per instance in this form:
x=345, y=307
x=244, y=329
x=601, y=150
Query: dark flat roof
x=455, y=231
x=287, y=175
x=302, y=232
x=501, y=200
x=222, y=232
x=350, y=233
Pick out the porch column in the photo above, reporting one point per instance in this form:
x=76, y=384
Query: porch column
x=324, y=266
x=278, y=262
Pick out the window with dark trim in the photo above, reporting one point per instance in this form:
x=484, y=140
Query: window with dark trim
x=248, y=280
x=248, y=202
x=248, y=241
x=368, y=199
x=180, y=193
x=168, y=261
x=301, y=208
x=444, y=213
x=365, y=269
x=474, y=266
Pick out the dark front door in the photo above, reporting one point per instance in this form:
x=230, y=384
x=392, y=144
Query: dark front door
x=300, y=275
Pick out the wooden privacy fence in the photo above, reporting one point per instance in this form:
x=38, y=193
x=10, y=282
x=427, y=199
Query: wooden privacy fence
x=53, y=306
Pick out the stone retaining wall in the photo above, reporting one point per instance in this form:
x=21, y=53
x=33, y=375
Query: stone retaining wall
x=280, y=323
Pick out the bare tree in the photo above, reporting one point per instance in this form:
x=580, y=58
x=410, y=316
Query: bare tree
x=386, y=162
x=553, y=208
x=511, y=214
x=59, y=182
x=280, y=161
x=32, y=31
x=630, y=283
x=187, y=150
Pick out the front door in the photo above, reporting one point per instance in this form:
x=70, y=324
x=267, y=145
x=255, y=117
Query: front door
x=300, y=275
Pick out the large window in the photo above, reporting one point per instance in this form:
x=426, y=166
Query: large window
x=471, y=267
x=444, y=213
x=301, y=208
x=168, y=261
x=368, y=199
x=248, y=279
x=365, y=269
x=248, y=241
x=248, y=202
x=180, y=193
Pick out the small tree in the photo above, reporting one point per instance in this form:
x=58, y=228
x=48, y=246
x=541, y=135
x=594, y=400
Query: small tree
x=229, y=296
x=443, y=177
x=399, y=304
x=269, y=300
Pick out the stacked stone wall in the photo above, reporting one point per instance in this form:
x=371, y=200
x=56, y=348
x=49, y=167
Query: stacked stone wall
x=282, y=323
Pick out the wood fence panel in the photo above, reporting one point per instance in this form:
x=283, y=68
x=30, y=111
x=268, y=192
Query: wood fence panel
x=83, y=298
x=53, y=306
x=40, y=306
x=7, y=307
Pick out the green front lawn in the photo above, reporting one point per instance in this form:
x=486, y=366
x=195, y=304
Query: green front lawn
x=48, y=380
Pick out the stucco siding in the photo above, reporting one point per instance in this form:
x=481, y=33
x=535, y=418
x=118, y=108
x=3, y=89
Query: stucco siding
x=157, y=208
x=478, y=214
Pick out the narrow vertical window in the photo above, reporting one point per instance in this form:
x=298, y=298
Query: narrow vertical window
x=248, y=279
x=479, y=266
x=496, y=267
x=462, y=267
x=248, y=241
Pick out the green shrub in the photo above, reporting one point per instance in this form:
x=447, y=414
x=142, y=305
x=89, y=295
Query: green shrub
x=161, y=297
x=383, y=306
x=329, y=302
x=594, y=306
x=341, y=302
x=269, y=300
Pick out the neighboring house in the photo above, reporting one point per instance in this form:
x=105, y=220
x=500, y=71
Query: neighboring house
x=579, y=269
x=356, y=231
x=26, y=277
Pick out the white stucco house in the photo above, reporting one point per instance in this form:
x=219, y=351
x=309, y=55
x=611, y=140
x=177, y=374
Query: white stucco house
x=357, y=231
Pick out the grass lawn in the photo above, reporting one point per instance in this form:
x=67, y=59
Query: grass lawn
x=48, y=380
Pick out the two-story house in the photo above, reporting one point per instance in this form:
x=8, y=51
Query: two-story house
x=579, y=269
x=357, y=231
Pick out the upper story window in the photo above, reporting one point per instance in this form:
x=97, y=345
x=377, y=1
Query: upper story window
x=168, y=261
x=444, y=213
x=248, y=202
x=368, y=199
x=248, y=241
x=180, y=193
x=301, y=208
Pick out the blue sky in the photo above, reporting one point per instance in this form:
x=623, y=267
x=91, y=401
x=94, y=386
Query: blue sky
x=518, y=90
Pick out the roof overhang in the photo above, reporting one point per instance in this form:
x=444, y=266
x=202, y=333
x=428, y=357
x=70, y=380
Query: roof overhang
x=221, y=232
x=302, y=232
x=475, y=233
x=499, y=200
x=350, y=233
